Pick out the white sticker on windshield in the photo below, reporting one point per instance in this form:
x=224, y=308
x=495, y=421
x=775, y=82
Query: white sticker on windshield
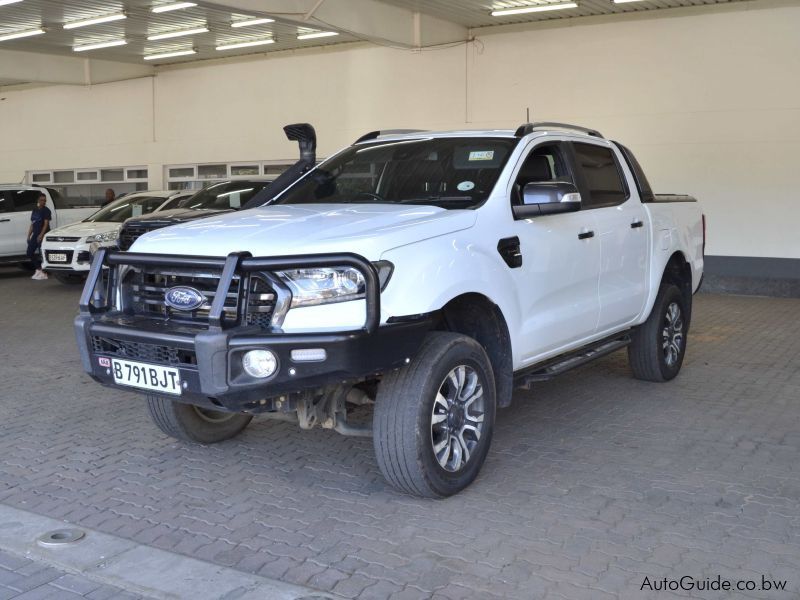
x=481, y=155
x=465, y=186
x=136, y=210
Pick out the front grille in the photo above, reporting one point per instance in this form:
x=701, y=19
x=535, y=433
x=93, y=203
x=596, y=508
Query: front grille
x=67, y=253
x=145, y=289
x=149, y=285
x=61, y=238
x=140, y=351
x=260, y=303
x=132, y=232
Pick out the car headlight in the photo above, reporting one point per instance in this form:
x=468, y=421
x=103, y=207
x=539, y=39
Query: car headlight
x=323, y=286
x=103, y=237
x=327, y=285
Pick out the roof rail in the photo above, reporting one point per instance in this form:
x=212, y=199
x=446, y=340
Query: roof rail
x=527, y=128
x=373, y=134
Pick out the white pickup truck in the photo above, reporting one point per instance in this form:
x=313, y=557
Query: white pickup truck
x=16, y=204
x=429, y=274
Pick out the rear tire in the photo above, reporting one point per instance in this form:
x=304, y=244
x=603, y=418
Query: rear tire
x=658, y=345
x=190, y=423
x=434, y=418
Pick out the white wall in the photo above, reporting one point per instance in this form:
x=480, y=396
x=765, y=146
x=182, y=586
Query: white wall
x=709, y=100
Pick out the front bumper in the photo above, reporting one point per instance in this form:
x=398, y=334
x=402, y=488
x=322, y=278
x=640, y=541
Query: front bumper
x=78, y=256
x=216, y=379
x=209, y=358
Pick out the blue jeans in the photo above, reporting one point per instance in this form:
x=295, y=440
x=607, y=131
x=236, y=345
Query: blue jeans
x=35, y=257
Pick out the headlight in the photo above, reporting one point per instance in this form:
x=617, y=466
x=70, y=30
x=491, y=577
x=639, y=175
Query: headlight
x=323, y=286
x=103, y=237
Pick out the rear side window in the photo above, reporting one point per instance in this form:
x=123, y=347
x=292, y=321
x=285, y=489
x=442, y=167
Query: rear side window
x=645, y=191
x=601, y=175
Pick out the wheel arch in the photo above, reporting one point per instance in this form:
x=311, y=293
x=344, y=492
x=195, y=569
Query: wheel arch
x=478, y=317
x=678, y=272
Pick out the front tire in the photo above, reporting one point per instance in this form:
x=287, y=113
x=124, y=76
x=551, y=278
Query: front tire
x=190, y=423
x=658, y=346
x=434, y=418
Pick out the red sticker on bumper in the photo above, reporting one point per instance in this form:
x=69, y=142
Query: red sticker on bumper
x=103, y=361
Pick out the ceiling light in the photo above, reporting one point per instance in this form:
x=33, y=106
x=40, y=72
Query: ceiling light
x=623, y=1
x=20, y=34
x=245, y=44
x=94, y=21
x=249, y=22
x=318, y=34
x=532, y=9
x=99, y=45
x=170, y=54
x=173, y=6
x=172, y=34
x=4, y=2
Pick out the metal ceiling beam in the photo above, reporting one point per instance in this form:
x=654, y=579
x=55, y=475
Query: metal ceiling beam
x=369, y=20
x=32, y=67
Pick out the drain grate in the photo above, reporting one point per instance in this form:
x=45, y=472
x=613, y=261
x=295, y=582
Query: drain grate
x=60, y=537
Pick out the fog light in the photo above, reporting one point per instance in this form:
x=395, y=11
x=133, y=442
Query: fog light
x=259, y=363
x=309, y=355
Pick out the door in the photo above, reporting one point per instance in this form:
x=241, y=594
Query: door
x=557, y=282
x=622, y=230
x=15, y=218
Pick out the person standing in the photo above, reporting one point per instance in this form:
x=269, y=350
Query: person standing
x=40, y=224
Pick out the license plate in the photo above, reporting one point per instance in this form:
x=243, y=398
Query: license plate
x=146, y=377
x=57, y=257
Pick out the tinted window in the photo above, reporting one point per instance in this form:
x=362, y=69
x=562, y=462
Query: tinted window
x=58, y=200
x=601, y=176
x=645, y=191
x=24, y=200
x=544, y=163
x=224, y=196
x=18, y=200
x=125, y=208
x=447, y=172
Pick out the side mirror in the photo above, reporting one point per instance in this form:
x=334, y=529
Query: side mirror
x=547, y=198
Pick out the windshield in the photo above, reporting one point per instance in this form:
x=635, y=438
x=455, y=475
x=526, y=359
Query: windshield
x=447, y=172
x=125, y=208
x=224, y=196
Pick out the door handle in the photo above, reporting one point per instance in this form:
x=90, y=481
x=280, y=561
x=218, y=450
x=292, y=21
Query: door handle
x=5, y=220
x=636, y=224
x=586, y=235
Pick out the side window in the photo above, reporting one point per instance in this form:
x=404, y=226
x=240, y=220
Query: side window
x=5, y=201
x=25, y=200
x=58, y=200
x=601, y=175
x=544, y=163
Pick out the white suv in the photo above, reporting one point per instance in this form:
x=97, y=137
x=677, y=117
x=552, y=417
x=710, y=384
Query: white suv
x=67, y=251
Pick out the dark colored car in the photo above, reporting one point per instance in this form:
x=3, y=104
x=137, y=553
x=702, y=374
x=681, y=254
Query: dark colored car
x=214, y=200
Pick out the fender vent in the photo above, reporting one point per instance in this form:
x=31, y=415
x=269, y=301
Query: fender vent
x=509, y=249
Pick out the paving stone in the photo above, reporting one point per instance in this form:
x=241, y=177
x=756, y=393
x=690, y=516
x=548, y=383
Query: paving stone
x=33, y=580
x=594, y=479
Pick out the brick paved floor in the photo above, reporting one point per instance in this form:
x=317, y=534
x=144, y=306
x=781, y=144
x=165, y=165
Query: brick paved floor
x=594, y=482
x=24, y=579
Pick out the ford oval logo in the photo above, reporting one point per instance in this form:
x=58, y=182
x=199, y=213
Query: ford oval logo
x=184, y=298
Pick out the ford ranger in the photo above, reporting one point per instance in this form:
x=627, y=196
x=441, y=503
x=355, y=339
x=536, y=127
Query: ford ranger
x=421, y=275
